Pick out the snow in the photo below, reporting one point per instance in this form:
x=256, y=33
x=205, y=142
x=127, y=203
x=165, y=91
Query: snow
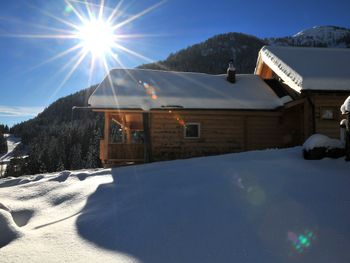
x=329, y=35
x=12, y=143
x=152, y=89
x=345, y=108
x=320, y=140
x=305, y=68
x=248, y=207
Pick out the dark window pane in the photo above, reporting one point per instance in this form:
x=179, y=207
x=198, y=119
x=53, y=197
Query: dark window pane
x=192, y=130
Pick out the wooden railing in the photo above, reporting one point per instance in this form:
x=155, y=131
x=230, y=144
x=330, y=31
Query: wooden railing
x=127, y=152
x=122, y=152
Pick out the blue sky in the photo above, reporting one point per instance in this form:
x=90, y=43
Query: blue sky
x=28, y=85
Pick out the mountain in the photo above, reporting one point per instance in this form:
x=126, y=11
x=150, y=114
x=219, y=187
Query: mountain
x=59, y=138
x=212, y=56
x=318, y=36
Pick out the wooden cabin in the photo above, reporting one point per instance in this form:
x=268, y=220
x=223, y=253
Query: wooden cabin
x=318, y=79
x=160, y=115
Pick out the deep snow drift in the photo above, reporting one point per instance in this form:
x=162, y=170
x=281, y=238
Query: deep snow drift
x=262, y=206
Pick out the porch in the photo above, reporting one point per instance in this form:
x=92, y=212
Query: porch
x=124, y=139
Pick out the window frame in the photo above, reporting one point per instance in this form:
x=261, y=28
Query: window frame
x=199, y=130
x=325, y=108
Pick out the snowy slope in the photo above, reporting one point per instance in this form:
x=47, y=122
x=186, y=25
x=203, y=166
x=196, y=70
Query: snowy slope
x=262, y=206
x=330, y=36
x=317, y=36
x=12, y=143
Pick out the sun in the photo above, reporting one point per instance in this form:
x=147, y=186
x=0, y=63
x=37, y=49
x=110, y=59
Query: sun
x=94, y=30
x=97, y=37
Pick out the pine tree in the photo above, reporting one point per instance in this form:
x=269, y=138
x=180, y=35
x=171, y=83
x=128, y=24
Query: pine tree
x=75, y=157
x=3, y=144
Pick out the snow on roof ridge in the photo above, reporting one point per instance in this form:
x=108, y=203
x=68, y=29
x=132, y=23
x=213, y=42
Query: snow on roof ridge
x=277, y=65
x=340, y=49
x=165, y=71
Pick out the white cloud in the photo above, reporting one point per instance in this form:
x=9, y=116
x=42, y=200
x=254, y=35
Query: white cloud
x=19, y=111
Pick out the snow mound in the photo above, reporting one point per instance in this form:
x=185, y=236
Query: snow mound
x=345, y=108
x=9, y=231
x=322, y=141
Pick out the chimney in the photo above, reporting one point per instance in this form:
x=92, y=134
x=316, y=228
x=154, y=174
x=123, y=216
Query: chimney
x=231, y=72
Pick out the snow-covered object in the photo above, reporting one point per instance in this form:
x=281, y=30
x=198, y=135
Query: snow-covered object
x=343, y=127
x=345, y=108
x=325, y=35
x=150, y=89
x=229, y=208
x=305, y=68
x=322, y=141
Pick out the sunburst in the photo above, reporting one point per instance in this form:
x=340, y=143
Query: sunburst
x=95, y=35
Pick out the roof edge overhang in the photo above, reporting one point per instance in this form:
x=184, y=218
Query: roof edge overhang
x=99, y=109
x=291, y=77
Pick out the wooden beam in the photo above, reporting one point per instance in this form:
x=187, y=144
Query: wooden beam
x=294, y=103
x=106, y=135
x=147, y=137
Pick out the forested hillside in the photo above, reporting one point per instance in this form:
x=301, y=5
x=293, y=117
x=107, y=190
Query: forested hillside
x=212, y=56
x=59, y=139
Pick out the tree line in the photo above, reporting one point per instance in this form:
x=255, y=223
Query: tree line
x=59, y=138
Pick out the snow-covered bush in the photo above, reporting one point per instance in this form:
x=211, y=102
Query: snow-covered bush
x=319, y=146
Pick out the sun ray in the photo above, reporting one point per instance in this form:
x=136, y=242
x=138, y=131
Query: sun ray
x=105, y=64
x=59, y=55
x=65, y=22
x=91, y=70
x=81, y=56
x=142, y=13
x=134, y=53
x=75, y=11
x=116, y=59
x=33, y=36
x=87, y=6
x=113, y=15
x=26, y=23
x=95, y=31
x=102, y=5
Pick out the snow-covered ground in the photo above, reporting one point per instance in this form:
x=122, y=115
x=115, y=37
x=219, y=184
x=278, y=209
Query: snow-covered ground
x=260, y=206
x=12, y=143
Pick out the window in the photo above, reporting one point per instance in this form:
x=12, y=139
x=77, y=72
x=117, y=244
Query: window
x=192, y=130
x=327, y=114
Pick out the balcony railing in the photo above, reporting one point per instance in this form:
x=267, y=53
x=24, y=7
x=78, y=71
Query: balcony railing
x=122, y=152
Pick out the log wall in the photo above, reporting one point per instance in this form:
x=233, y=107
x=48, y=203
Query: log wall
x=221, y=132
x=328, y=101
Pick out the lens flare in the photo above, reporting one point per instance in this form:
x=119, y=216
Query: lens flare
x=301, y=242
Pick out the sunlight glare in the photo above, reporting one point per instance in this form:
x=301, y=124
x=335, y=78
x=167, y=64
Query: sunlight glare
x=97, y=37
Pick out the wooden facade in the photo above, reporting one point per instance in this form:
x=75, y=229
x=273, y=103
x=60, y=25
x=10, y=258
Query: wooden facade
x=318, y=109
x=221, y=131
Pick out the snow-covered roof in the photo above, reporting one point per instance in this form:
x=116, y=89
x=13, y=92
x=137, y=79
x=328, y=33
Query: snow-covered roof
x=151, y=89
x=309, y=68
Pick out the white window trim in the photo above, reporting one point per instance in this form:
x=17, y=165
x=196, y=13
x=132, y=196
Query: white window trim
x=199, y=130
